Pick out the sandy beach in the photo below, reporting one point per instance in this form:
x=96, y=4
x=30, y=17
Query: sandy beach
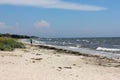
x=34, y=63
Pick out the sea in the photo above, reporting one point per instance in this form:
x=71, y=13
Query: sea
x=103, y=46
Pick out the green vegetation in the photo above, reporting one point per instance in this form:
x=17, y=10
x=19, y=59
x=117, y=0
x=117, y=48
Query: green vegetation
x=8, y=44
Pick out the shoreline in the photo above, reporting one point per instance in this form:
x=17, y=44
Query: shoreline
x=71, y=52
x=98, y=60
x=112, y=56
x=41, y=63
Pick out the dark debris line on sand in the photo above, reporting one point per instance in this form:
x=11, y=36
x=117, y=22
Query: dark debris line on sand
x=74, y=52
x=99, y=60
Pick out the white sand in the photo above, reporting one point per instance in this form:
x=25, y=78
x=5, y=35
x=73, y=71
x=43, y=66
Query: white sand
x=42, y=64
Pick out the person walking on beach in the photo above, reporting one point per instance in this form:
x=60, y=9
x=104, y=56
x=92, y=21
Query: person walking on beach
x=31, y=41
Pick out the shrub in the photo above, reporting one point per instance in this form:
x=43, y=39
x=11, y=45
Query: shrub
x=8, y=44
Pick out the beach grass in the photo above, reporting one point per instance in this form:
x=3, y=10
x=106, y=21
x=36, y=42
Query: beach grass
x=9, y=44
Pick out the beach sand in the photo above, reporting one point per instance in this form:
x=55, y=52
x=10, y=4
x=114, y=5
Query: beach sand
x=34, y=63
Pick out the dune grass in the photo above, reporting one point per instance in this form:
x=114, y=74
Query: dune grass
x=9, y=44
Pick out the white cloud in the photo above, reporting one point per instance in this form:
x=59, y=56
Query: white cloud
x=42, y=24
x=59, y=4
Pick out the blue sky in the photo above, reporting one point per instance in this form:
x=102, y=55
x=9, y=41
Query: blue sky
x=61, y=18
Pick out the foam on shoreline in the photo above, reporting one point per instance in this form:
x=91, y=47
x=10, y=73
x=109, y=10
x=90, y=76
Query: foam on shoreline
x=76, y=51
x=108, y=49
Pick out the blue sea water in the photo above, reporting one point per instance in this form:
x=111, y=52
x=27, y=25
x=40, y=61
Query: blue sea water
x=109, y=47
x=103, y=44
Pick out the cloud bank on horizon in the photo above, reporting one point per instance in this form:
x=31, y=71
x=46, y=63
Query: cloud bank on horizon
x=57, y=4
x=7, y=28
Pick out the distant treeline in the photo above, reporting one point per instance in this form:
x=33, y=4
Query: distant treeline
x=16, y=36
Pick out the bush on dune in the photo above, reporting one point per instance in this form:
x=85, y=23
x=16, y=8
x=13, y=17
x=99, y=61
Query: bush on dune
x=8, y=44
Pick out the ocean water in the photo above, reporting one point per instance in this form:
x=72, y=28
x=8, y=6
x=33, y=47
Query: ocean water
x=101, y=44
x=109, y=47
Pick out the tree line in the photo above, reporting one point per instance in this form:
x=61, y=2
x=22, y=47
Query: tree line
x=16, y=36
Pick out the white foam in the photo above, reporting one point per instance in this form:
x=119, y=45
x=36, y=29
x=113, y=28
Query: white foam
x=85, y=41
x=77, y=40
x=108, y=49
x=78, y=46
x=72, y=47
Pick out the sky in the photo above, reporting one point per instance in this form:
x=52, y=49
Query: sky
x=61, y=18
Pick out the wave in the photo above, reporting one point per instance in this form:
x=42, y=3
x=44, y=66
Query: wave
x=108, y=49
x=73, y=47
x=78, y=49
x=86, y=41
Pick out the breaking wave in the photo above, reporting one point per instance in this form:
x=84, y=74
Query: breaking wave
x=108, y=49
